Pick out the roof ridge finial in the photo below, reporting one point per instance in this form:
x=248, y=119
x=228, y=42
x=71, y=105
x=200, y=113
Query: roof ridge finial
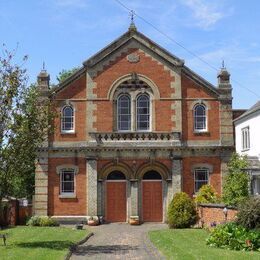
x=43, y=66
x=132, y=26
x=223, y=64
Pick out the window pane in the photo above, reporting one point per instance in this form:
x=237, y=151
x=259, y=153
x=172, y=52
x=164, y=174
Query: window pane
x=143, y=112
x=124, y=113
x=200, y=117
x=200, y=178
x=67, y=180
x=67, y=118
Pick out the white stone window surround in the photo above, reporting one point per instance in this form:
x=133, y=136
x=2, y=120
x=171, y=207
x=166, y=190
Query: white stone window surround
x=134, y=95
x=196, y=129
x=69, y=168
x=207, y=168
x=67, y=131
x=245, y=138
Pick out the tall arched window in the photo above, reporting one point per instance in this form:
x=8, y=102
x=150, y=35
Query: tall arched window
x=124, y=113
x=67, y=119
x=143, y=112
x=200, y=118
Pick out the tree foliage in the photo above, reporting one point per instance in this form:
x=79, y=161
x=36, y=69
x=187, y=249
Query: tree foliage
x=64, y=74
x=206, y=194
x=181, y=211
x=236, y=187
x=23, y=125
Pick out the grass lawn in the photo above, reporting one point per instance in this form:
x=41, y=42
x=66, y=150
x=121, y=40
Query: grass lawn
x=39, y=242
x=190, y=244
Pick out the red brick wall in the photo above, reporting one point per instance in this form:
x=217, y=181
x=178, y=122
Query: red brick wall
x=58, y=206
x=77, y=92
x=208, y=215
x=192, y=90
x=188, y=176
x=120, y=67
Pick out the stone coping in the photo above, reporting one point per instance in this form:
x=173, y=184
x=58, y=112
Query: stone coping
x=212, y=205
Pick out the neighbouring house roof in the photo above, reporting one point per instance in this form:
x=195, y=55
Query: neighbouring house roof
x=253, y=163
x=253, y=109
x=144, y=41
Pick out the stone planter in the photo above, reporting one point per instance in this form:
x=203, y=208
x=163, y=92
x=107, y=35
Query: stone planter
x=134, y=221
x=93, y=222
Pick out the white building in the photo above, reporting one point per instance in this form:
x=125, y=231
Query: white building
x=247, y=131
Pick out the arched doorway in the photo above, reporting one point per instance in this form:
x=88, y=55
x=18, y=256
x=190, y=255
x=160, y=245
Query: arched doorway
x=116, y=197
x=152, y=199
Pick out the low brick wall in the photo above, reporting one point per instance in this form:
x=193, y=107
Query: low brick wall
x=211, y=214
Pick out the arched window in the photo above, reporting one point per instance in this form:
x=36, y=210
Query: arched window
x=152, y=175
x=143, y=113
x=200, y=118
x=67, y=119
x=124, y=113
x=116, y=175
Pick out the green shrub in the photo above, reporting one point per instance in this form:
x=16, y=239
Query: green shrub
x=235, y=237
x=249, y=213
x=181, y=211
x=206, y=194
x=235, y=188
x=42, y=221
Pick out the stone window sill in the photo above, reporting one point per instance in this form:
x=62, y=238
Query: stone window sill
x=201, y=133
x=68, y=133
x=67, y=196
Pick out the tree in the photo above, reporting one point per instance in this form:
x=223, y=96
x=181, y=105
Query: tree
x=236, y=187
x=64, y=74
x=23, y=126
x=206, y=194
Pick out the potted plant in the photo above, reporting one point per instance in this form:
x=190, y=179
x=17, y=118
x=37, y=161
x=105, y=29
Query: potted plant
x=134, y=220
x=92, y=221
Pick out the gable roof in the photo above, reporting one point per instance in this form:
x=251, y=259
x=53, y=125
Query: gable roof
x=148, y=43
x=251, y=110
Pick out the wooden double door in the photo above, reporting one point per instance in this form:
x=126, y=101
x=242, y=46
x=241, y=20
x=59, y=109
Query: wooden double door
x=116, y=201
x=152, y=204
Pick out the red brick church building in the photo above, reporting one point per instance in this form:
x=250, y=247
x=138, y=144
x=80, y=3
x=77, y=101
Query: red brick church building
x=134, y=126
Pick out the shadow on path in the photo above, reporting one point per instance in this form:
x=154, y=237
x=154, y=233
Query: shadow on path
x=104, y=249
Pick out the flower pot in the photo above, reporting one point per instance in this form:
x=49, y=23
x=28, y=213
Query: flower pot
x=134, y=221
x=92, y=222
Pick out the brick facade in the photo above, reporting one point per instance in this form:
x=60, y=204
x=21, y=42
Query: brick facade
x=96, y=148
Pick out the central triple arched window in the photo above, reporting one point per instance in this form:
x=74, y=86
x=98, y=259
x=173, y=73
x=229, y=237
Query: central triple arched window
x=139, y=119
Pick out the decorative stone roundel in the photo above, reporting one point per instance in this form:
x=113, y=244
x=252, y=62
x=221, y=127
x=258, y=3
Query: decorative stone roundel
x=133, y=58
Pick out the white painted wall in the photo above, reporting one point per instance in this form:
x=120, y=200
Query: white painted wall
x=253, y=121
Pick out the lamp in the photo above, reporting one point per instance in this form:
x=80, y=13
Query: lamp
x=225, y=212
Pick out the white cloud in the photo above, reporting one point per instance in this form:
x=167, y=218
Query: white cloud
x=206, y=13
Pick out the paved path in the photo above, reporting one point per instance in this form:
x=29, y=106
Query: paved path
x=119, y=241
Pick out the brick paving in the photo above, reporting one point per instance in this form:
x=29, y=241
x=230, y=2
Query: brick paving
x=119, y=241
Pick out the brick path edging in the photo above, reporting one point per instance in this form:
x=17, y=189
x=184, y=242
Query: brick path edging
x=73, y=248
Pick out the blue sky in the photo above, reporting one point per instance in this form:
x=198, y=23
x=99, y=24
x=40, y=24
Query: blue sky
x=64, y=33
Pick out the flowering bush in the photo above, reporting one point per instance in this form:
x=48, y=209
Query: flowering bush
x=42, y=221
x=235, y=237
x=181, y=211
x=206, y=194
